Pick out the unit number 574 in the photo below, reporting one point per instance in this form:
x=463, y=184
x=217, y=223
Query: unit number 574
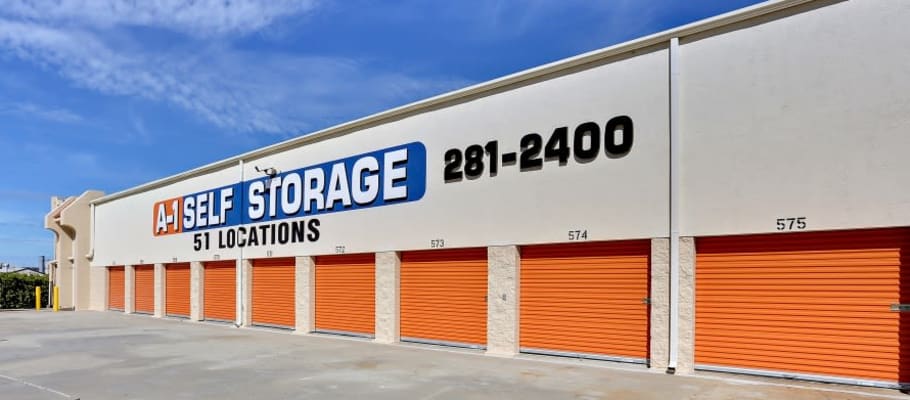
x=791, y=223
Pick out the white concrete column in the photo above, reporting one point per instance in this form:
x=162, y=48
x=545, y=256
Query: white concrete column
x=388, y=267
x=685, y=363
x=129, y=294
x=245, y=292
x=503, y=272
x=305, y=288
x=197, y=279
x=98, y=288
x=159, y=290
x=659, y=297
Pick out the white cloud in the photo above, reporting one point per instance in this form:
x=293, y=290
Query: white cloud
x=197, y=17
x=33, y=110
x=235, y=90
x=15, y=217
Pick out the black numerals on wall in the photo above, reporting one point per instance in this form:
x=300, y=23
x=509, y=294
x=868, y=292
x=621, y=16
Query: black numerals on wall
x=492, y=150
x=791, y=224
x=558, y=146
x=453, y=165
x=587, y=141
x=583, y=145
x=473, y=161
x=530, y=151
x=620, y=134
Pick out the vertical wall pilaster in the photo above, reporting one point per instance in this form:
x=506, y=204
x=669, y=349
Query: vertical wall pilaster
x=197, y=279
x=686, y=360
x=98, y=288
x=245, y=292
x=659, y=356
x=388, y=268
x=305, y=286
x=159, y=290
x=503, y=272
x=129, y=292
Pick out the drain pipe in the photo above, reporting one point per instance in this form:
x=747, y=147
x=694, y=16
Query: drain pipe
x=674, y=204
x=91, y=253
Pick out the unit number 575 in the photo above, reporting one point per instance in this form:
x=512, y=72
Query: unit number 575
x=791, y=223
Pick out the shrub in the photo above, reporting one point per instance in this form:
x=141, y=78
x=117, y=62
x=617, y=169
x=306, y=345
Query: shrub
x=18, y=290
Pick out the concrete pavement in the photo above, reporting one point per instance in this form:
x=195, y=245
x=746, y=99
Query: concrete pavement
x=108, y=355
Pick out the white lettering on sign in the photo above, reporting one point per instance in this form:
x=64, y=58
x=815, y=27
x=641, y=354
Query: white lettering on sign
x=344, y=185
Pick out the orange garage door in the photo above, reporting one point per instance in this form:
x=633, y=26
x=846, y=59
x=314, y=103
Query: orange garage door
x=443, y=296
x=806, y=303
x=586, y=299
x=144, y=289
x=219, y=291
x=115, y=288
x=273, y=292
x=346, y=294
x=177, y=289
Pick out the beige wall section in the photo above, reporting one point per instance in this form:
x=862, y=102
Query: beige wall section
x=98, y=289
x=197, y=286
x=659, y=356
x=503, y=271
x=128, y=293
x=63, y=273
x=685, y=363
x=160, y=291
x=244, y=292
x=388, y=267
x=78, y=217
x=71, y=222
x=63, y=251
x=305, y=286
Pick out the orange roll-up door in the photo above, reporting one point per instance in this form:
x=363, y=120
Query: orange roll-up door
x=808, y=303
x=115, y=288
x=443, y=296
x=274, y=292
x=177, y=289
x=144, y=289
x=346, y=293
x=219, y=290
x=586, y=298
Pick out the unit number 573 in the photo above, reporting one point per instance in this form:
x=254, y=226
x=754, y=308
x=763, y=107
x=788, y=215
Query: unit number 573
x=791, y=223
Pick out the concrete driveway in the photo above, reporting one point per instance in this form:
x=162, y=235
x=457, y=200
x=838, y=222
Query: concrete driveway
x=107, y=355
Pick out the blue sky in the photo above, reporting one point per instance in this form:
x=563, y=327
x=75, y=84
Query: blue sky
x=109, y=94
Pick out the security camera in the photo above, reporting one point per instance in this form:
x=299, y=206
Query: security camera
x=270, y=172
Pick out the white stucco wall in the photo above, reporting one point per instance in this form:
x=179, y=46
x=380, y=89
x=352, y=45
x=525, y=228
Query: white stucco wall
x=802, y=116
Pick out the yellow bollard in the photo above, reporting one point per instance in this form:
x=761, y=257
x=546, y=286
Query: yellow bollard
x=56, y=298
x=37, y=298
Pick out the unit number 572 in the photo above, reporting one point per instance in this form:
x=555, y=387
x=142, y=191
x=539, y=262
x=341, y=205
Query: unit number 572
x=792, y=223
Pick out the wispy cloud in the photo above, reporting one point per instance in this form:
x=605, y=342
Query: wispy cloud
x=237, y=90
x=32, y=110
x=77, y=163
x=196, y=17
x=10, y=218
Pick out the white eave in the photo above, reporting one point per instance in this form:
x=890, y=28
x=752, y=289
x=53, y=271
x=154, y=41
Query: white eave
x=722, y=20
